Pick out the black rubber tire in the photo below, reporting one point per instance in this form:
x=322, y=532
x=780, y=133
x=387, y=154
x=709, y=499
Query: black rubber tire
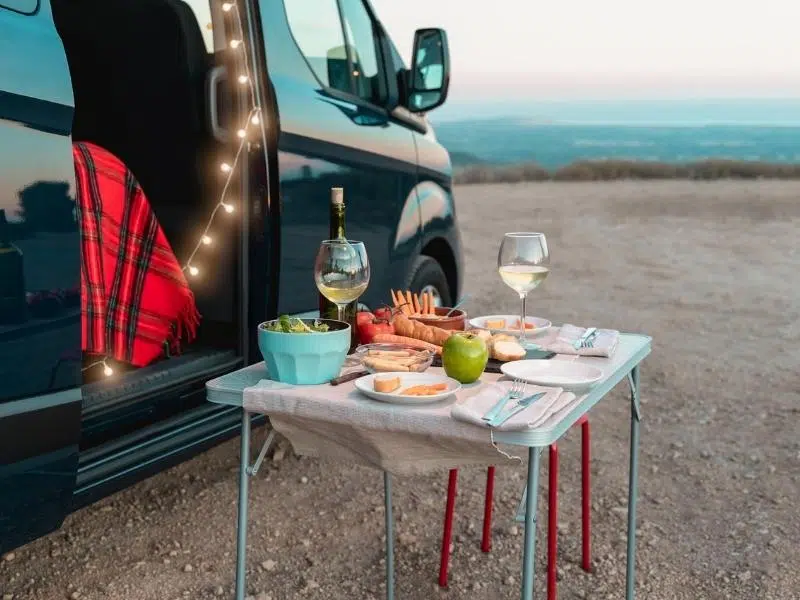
x=426, y=271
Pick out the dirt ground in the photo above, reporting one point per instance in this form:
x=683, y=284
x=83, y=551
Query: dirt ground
x=708, y=269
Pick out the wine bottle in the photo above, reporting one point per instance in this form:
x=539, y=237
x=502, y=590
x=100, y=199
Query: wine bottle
x=13, y=308
x=327, y=309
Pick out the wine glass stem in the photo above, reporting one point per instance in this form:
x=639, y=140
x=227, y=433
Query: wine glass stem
x=340, y=311
x=523, y=329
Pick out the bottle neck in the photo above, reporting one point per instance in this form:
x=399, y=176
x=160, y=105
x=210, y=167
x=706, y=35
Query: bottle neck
x=337, y=230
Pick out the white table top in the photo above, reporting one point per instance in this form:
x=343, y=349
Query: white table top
x=632, y=349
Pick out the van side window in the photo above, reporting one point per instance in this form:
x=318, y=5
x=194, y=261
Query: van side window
x=317, y=29
x=365, y=55
x=26, y=7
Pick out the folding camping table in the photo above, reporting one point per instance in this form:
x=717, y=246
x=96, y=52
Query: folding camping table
x=630, y=352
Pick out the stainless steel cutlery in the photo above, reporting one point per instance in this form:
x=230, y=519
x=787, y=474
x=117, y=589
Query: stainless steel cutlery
x=517, y=391
x=518, y=407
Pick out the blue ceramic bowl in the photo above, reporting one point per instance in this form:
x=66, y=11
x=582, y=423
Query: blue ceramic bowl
x=305, y=358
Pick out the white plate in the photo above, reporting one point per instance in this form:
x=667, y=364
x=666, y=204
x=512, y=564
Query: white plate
x=366, y=386
x=540, y=325
x=554, y=373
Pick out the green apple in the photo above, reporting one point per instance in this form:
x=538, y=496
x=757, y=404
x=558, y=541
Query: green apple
x=464, y=357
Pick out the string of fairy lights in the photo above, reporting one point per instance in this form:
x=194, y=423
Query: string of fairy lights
x=227, y=168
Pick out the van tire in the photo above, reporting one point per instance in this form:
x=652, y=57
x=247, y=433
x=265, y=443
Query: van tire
x=427, y=272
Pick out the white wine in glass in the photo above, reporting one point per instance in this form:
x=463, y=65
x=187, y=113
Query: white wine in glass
x=523, y=263
x=523, y=278
x=341, y=272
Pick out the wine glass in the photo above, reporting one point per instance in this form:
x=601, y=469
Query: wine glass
x=523, y=263
x=341, y=272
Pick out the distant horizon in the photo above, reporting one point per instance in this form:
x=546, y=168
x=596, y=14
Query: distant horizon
x=620, y=110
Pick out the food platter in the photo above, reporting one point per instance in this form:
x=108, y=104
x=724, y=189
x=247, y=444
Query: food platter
x=366, y=385
x=509, y=324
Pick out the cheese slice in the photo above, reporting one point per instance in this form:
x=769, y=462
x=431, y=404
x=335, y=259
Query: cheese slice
x=495, y=323
x=386, y=385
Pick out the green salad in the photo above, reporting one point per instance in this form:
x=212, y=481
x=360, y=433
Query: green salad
x=286, y=324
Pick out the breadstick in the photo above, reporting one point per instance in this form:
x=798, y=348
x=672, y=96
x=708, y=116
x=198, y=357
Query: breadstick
x=390, y=338
x=417, y=307
x=425, y=303
x=384, y=365
x=431, y=306
x=414, y=329
x=394, y=298
x=385, y=353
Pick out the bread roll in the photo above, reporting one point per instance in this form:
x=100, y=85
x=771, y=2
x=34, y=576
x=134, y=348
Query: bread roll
x=506, y=350
x=484, y=334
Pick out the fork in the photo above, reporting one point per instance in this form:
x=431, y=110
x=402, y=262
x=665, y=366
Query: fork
x=589, y=341
x=581, y=342
x=517, y=391
x=585, y=341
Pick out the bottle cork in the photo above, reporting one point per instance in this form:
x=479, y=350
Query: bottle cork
x=337, y=195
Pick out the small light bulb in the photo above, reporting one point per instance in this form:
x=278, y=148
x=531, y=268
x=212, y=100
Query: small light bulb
x=235, y=43
x=243, y=79
x=107, y=371
x=206, y=239
x=193, y=271
x=355, y=73
x=255, y=120
x=226, y=6
x=228, y=207
x=241, y=133
x=225, y=168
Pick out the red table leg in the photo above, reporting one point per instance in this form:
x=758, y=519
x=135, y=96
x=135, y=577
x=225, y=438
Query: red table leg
x=552, y=523
x=448, y=527
x=486, y=539
x=586, y=497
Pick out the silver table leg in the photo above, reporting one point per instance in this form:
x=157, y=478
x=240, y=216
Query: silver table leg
x=241, y=532
x=630, y=577
x=387, y=496
x=529, y=552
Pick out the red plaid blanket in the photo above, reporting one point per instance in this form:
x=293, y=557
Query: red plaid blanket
x=135, y=301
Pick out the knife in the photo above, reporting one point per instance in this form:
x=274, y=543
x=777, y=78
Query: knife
x=520, y=406
x=348, y=377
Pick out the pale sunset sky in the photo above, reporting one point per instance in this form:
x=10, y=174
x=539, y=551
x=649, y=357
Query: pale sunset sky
x=614, y=48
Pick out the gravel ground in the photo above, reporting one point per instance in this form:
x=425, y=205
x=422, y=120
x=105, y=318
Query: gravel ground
x=707, y=269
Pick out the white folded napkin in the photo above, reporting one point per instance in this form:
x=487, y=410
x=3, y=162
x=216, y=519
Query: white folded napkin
x=473, y=408
x=562, y=340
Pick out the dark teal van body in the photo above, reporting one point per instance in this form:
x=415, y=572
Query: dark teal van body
x=151, y=81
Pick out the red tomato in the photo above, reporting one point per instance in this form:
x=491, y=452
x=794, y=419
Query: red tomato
x=384, y=313
x=367, y=331
x=364, y=316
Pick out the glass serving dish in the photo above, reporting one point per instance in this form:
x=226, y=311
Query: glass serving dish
x=383, y=358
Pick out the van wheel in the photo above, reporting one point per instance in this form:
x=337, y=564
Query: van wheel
x=427, y=276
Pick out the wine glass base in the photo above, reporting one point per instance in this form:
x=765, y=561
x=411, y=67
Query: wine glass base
x=529, y=344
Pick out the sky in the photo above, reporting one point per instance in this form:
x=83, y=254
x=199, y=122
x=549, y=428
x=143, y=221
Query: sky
x=614, y=48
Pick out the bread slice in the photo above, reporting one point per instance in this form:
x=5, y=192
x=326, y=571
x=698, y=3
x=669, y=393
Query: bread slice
x=495, y=324
x=484, y=334
x=506, y=351
x=386, y=385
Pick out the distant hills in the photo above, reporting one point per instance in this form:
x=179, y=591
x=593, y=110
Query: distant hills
x=515, y=140
x=465, y=159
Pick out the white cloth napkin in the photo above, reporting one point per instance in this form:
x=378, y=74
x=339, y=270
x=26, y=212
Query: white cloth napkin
x=561, y=340
x=472, y=409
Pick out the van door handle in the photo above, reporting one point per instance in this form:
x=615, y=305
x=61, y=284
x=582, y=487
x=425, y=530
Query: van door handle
x=215, y=77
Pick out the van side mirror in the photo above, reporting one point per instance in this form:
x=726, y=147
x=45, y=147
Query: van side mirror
x=429, y=76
